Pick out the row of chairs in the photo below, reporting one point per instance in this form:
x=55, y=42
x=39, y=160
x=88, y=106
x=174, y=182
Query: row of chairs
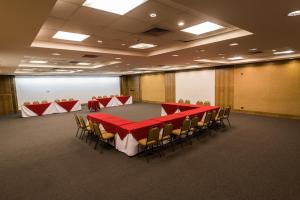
x=99, y=97
x=190, y=127
x=205, y=103
x=92, y=131
x=155, y=140
x=45, y=101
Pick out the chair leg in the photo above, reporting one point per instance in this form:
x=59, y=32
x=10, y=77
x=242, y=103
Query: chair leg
x=229, y=123
x=77, y=131
x=96, y=143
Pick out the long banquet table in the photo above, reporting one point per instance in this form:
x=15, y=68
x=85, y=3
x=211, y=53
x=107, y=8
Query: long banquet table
x=128, y=133
x=40, y=109
x=109, y=102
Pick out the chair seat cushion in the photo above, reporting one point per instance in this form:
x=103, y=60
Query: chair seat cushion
x=176, y=132
x=164, y=138
x=201, y=123
x=106, y=135
x=144, y=142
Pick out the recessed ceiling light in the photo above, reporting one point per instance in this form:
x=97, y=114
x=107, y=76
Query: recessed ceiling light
x=99, y=41
x=38, y=61
x=253, y=49
x=120, y=7
x=83, y=63
x=70, y=36
x=142, y=46
x=123, y=44
x=202, y=28
x=294, y=13
x=274, y=50
x=283, y=52
x=55, y=54
x=152, y=15
x=236, y=58
x=175, y=55
x=234, y=44
x=221, y=54
x=118, y=58
x=181, y=23
x=127, y=64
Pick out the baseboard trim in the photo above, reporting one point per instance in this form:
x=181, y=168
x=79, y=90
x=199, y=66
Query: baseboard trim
x=267, y=114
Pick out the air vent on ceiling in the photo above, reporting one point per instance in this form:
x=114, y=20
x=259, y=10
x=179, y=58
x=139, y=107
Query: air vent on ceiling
x=74, y=62
x=254, y=52
x=185, y=41
x=90, y=56
x=156, y=31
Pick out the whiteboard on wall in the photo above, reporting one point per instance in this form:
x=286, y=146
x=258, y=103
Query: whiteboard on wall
x=196, y=85
x=50, y=88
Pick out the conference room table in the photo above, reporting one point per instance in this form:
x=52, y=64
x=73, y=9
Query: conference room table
x=171, y=108
x=104, y=102
x=128, y=133
x=31, y=110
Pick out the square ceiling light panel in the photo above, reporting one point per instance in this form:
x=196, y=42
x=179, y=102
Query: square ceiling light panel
x=202, y=28
x=70, y=36
x=120, y=7
x=142, y=46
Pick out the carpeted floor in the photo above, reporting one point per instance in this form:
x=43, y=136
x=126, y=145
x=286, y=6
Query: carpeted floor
x=258, y=158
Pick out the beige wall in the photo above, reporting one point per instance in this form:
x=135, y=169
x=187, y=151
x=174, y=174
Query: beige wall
x=153, y=87
x=268, y=87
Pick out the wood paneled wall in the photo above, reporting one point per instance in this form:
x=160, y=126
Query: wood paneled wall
x=272, y=87
x=170, y=88
x=153, y=88
x=130, y=85
x=8, y=97
x=224, y=86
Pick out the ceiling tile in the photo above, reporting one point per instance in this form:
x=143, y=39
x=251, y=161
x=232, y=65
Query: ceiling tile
x=63, y=10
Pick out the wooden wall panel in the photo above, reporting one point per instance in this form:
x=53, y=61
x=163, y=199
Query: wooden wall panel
x=130, y=85
x=170, y=90
x=224, y=87
x=268, y=88
x=8, y=103
x=153, y=87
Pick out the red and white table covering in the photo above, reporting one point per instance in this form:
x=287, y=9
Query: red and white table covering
x=171, y=108
x=32, y=110
x=123, y=100
x=109, y=102
x=128, y=133
x=93, y=105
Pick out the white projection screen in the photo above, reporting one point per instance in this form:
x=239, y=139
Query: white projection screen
x=50, y=88
x=196, y=85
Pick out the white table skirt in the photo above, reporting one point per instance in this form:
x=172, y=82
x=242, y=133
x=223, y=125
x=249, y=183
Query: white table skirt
x=52, y=109
x=116, y=102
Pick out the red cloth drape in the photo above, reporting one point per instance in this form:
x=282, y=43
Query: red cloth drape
x=93, y=105
x=38, y=109
x=104, y=101
x=67, y=105
x=123, y=99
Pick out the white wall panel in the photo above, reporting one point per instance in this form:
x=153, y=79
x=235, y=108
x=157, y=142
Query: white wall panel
x=196, y=85
x=51, y=88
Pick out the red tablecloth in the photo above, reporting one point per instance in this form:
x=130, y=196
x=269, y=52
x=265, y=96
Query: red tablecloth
x=93, y=105
x=104, y=101
x=110, y=123
x=139, y=130
x=95, y=117
x=123, y=99
x=171, y=108
x=38, y=109
x=176, y=119
x=67, y=105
